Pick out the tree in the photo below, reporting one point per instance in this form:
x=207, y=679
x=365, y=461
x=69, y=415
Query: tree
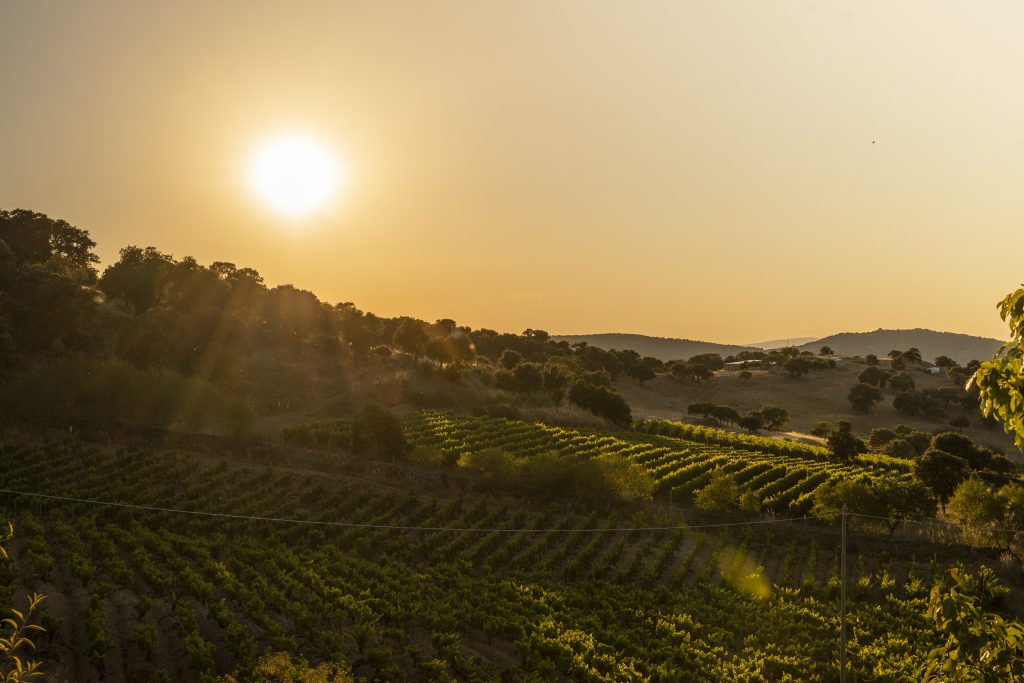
x=720, y=494
x=703, y=408
x=853, y=494
x=640, y=372
x=902, y=381
x=411, y=336
x=974, y=504
x=962, y=447
x=863, y=396
x=539, y=335
x=45, y=309
x=377, y=433
x=510, y=358
x=752, y=422
x=873, y=375
x=556, y=379
x=912, y=355
x=888, y=497
x=36, y=238
x=138, y=277
x=528, y=378
x=880, y=436
x=944, y=362
x=726, y=414
x=711, y=361
x=871, y=359
x=1000, y=381
x=917, y=403
x=602, y=401
x=826, y=351
x=940, y=471
x=745, y=375
x=696, y=371
x=774, y=417
x=900, y=448
x=842, y=444
x=821, y=428
x=797, y=367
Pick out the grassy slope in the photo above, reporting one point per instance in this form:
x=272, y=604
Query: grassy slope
x=820, y=396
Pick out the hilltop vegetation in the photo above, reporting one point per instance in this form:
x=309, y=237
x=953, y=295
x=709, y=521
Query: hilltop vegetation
x=158, y=342
x=960, y=347
x=662, y=348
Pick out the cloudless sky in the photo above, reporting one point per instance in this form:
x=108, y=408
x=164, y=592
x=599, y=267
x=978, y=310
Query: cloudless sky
x=721, y=170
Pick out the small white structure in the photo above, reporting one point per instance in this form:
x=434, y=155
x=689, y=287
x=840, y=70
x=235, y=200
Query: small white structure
x=934, y=370
x=740, y=365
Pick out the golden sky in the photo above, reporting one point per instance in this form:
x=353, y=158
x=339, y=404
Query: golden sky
x=721, y=170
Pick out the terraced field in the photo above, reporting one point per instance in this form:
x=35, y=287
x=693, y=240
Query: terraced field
x=410, y=587
x=784, y=483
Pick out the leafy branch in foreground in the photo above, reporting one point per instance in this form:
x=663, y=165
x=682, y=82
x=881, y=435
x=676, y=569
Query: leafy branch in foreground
x=979, y=646
x=1000, y=381
x=13, y=631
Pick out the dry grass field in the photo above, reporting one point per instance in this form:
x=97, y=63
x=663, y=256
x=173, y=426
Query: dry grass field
x=818, y=396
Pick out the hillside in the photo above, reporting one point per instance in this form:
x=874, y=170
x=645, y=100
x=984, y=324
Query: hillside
x=662, y=348
x=781, y=343
x=409, y=572
x=960, y=347
x=817, y=397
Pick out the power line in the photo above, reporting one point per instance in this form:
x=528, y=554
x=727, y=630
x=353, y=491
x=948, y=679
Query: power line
x=392, y=527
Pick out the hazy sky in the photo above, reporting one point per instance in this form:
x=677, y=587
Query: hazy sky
x=730, y=171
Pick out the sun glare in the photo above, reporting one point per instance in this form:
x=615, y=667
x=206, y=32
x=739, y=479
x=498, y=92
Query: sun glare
x=294, y=174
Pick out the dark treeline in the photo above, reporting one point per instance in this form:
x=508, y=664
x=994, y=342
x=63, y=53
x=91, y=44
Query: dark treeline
x=155, y=340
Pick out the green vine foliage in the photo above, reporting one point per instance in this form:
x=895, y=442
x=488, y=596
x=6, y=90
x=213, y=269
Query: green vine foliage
x=1001, y=380
x=978, y=646
x=14, y=668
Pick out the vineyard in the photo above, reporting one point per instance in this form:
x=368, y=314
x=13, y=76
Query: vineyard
x=782, y=478
x=162, y=566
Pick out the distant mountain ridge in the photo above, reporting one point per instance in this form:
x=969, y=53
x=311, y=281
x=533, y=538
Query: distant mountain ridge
x=662, y=348
x=960, y=347
x=780, y=343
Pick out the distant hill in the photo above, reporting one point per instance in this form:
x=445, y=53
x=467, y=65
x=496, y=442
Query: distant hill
x=780, y=343
x=960, y=347
x=656, y=347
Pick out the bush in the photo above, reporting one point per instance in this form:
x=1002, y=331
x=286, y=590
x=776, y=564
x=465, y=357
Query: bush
x=719, y=495
x=975, y=504
x=880, y=436
x=377, y=433
x=940, y=471
x=601, y=401
x=553, y=476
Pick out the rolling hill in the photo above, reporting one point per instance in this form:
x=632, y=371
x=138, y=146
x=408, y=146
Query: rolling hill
x=960, y=347
x=657, y=347
x=780, y=343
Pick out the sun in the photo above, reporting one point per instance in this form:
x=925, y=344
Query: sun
x=294, y=174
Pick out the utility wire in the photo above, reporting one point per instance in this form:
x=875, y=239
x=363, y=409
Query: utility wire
x=393, y=527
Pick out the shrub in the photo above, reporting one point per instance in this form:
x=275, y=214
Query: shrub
x=377, y=433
